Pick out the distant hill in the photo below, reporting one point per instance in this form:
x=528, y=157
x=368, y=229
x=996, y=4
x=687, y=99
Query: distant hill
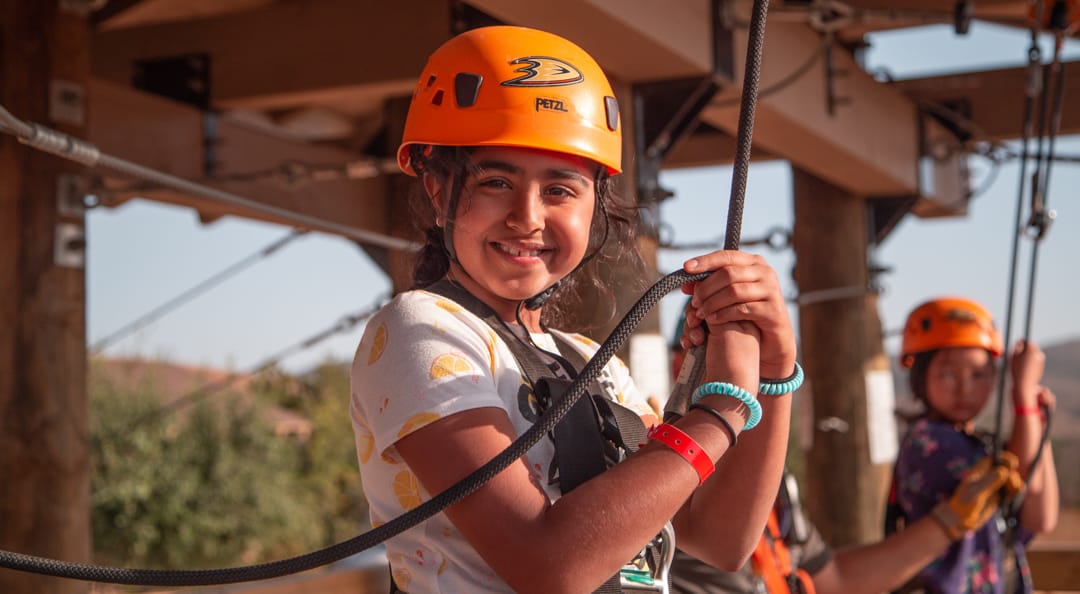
x=174, y=381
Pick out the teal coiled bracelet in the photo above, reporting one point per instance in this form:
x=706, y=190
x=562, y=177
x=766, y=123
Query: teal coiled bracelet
x=740, y=394
x=784, y=386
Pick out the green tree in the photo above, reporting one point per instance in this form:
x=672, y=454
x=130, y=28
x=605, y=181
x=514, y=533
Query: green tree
x=209, y=485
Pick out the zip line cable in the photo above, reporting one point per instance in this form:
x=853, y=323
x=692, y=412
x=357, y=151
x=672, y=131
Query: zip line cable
x=344, y=324
x=80, y=151
x=518, y=448
x=192, y=293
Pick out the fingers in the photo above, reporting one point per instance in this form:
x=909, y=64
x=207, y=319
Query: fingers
x=1046, y=398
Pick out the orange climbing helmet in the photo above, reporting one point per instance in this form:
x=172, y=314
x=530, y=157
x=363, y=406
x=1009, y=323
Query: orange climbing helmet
x=514, y=86
x=949, y=322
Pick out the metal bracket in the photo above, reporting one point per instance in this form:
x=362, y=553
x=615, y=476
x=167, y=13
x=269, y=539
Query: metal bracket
x=69, y=245
x=67, y=103
x=70, y=191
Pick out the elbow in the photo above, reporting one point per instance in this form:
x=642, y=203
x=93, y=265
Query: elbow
x=1041, y=523
x=733, y=557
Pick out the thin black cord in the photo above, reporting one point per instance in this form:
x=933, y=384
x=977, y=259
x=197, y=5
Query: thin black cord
x=191, y=293
x=211, y=388
x=1033, y=88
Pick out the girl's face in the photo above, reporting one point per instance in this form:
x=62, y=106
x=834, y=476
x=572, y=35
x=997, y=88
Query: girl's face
x=522, y=224
x=959, y=382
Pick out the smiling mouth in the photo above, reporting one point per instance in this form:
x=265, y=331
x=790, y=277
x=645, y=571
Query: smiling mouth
x=519, y=252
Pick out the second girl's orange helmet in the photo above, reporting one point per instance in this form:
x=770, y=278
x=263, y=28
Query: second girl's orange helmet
x=949, y=322
x=514, y=86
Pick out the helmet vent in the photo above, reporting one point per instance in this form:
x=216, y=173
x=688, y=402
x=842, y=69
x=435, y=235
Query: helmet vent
x=436, y=99
x=467, y=88
x=430, y=81
x=611, y=106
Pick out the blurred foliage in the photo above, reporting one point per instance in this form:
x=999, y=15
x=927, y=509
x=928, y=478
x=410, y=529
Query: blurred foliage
x=209, y=484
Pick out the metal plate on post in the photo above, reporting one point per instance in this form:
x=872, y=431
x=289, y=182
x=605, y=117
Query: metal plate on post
x=69, y=247
x=67, y=103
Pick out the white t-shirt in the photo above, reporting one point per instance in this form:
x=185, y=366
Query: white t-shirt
x=423, y=357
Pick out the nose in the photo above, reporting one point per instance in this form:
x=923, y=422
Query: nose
x=527, y=210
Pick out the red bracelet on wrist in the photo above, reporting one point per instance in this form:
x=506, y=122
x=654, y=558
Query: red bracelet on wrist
x=1021, y=411
x=685, y=446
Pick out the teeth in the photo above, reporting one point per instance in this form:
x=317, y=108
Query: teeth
x=519, y=253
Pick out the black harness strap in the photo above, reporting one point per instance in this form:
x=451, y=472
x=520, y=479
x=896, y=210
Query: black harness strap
x=582, y=437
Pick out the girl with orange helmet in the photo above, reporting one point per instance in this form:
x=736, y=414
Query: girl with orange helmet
x=950, y=346
x=515, y=138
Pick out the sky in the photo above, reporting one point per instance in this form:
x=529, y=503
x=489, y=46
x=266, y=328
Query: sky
x=143, y=254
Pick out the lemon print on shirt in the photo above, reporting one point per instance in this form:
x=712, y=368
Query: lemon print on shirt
x=378, y=344
x=407, y=490
x=365, y=443
x=417, y=421
x=450, y=365
x=449, y=306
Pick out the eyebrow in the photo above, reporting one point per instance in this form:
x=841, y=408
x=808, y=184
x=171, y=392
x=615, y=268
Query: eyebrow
x=510, y=168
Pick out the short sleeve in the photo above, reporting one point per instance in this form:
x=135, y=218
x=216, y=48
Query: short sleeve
x=421, y=358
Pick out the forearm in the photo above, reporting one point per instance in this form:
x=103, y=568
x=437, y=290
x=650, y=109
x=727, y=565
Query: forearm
x=1024, y=441
x=746, y=481
x=1039, y=512
x=885, y=565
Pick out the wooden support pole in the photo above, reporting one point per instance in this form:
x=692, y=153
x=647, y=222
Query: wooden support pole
x=844, y=358
x=44, y=446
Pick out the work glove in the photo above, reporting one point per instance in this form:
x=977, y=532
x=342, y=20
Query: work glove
x=978, y=495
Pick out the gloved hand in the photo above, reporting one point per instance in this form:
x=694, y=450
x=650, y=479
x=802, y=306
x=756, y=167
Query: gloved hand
x=978, y=495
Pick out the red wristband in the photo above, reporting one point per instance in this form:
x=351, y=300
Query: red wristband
x=1021, y=411
x=685, y=446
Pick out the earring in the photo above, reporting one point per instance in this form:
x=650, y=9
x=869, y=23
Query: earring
x=439, y=222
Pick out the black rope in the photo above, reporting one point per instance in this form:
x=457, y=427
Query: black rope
x=1033, y=89
x=545, y=424
x=193, y=292
x=455, y=493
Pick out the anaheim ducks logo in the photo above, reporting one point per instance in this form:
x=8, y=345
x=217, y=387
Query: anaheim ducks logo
x=542, y=71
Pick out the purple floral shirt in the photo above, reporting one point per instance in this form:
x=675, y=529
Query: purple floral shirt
x=933, y=456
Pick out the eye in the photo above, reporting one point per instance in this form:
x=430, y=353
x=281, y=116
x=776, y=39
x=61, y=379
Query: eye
x=494, y=183
x=560, y=192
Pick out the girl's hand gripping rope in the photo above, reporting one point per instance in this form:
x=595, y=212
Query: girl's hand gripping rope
x=979, y=494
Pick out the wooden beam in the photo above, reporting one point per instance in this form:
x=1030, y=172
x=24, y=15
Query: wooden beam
x=634, y=40
x=1055, y=568
x=869, y=143
x=44, y=442
x=993, y=100
x=869, y=146
x=707, y=148
x=169, y=137
x=278, y=55
x=136, y=13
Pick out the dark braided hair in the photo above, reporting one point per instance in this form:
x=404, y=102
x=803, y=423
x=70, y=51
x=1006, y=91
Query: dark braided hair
x=611, y=239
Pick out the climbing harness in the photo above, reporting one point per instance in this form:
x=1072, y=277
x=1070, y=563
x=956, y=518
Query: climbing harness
x=595, y=434
x=67, y=147
x=775, y=559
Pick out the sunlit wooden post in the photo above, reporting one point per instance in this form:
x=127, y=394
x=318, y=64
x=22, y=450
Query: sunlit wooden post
x=845, y=361
x=44, y=449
